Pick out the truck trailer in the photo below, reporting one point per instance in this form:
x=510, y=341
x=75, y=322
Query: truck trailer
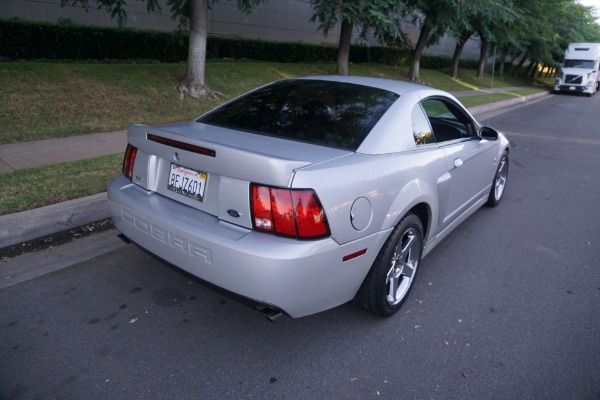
x=579, y=73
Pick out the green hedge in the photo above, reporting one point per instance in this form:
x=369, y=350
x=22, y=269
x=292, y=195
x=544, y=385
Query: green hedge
x=445, y=62
x=20, y=40
x=35, y=41
x=264, y=50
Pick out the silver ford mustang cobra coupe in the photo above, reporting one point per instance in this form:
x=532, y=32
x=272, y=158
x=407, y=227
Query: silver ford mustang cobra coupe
x=306, y=193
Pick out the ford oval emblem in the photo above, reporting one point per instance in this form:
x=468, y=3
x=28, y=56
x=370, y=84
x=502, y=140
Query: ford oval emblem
x=234, y=213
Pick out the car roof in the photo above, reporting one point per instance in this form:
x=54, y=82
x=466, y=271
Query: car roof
x=398, y=117
x=398, y=87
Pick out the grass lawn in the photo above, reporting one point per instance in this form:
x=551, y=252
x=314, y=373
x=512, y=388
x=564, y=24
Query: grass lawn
x=50, y=100
x=40, y=186
x=479, y=99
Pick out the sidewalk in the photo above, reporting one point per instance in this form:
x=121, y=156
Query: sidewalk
x=53, y=151
x=28, y=225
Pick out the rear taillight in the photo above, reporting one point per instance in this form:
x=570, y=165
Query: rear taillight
x=129, y=160
x=294, y=213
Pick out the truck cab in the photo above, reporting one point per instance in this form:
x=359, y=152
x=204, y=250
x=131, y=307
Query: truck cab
x=579, y=73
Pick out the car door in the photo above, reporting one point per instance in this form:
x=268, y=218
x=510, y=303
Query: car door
x=469, y=158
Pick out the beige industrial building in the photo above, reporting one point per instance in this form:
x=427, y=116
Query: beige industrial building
x=284, y=20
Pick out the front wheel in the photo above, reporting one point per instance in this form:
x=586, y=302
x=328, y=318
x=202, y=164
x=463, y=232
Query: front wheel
x=390, y=279
x=499, y=182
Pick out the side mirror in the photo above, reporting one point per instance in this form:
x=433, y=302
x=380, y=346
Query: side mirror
x=488, y=133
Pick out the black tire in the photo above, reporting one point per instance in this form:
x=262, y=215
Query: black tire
x=499, y=182
x=399, y=258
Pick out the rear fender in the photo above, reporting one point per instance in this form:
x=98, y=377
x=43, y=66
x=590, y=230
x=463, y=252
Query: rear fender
x=412, y=194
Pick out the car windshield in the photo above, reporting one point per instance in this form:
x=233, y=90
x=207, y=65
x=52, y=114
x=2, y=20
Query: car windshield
x=327, y=113
x=589, y=64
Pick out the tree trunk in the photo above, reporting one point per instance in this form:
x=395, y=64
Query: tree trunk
x=541, y=72
x=413, y=73
x=458, y=49
x=529, y=67
x=519, y=65
x=534, y=70
x=483, y=50
x=511, y=63
x=501, y=65
x=193, y=84
x=344, y=47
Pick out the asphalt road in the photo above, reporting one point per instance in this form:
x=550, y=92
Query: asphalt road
x=507, y=307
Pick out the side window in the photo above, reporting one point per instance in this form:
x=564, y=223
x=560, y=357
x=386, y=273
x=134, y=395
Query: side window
x=447, y=120
x=420, y=126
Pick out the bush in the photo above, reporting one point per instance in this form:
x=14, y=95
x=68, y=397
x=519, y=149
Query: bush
x=35, y=41
x=20, y=40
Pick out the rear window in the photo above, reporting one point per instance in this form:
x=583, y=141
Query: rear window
x=321, y=112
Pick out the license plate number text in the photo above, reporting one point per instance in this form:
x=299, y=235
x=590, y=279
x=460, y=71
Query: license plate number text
x=187, y=181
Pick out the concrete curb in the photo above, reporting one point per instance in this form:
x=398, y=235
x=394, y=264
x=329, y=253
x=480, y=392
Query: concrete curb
x=28, y=225
x=32, y=224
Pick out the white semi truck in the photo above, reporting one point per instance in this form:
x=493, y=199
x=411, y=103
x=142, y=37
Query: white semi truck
x=580, y=71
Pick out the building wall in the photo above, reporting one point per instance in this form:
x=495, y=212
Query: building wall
x=285, y=20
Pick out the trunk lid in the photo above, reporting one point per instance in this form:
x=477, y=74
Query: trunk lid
x=230, y=160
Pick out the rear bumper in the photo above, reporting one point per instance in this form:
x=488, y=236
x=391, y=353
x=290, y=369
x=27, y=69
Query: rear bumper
x=298, y=277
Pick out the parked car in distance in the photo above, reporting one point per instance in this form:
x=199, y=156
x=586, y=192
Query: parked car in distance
x=307, y=193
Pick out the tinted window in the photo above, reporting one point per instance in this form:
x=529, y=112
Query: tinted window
x=447, y=120
x=321, y=112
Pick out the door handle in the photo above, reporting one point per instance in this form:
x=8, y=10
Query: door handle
x=458, y=162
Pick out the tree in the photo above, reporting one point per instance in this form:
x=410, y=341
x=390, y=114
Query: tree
x=435, y=18
x=461, y=40
x=367, y=15
x=539, y=30
x=544, y=29
x=190, y=13
x=482, y=18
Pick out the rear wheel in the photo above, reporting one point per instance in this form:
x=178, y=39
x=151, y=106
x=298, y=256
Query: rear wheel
x=499, y=182
x=390, y=279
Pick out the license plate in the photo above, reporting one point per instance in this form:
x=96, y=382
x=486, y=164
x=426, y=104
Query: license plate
x=572, y=88
x=187, y=181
